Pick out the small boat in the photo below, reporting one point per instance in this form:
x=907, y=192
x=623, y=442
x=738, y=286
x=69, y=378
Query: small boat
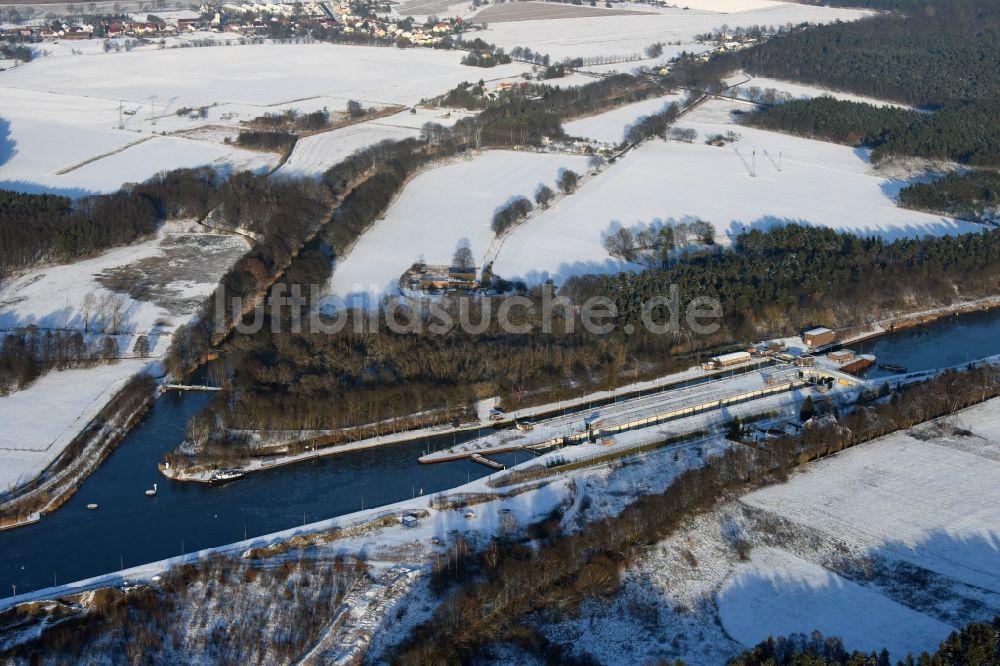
x=892, y=367
x=224, y=475
x=92, y=507
x=151, y=492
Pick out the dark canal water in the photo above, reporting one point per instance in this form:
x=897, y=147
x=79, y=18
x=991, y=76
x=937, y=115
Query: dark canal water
x=130, y=529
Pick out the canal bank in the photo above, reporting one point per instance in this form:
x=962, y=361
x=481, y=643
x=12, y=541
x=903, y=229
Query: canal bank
x=130, y=529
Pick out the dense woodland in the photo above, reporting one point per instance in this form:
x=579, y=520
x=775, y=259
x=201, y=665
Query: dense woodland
x=29, y=352
x=941, y=53
x=45, y=227
x=37, y=228
x=500, y=593
x=523, y=115
x=276, y=141
x=965, y=132
x=769, y=283
x=792, y=276
x=973, y=195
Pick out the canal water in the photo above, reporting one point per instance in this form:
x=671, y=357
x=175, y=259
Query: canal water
x=944, y=343
x=130, y=529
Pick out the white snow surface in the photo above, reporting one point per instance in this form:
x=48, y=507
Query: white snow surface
x=53, y=296
x=899, y=495
x=803, y=91
x=820, y=184
x=41, y=420
x=315, y=154
x=59, y=112
x=262, y=74
x=626, y=35
x=47, y=142
x=439, y=209
x=610, y=127
x=777, y=593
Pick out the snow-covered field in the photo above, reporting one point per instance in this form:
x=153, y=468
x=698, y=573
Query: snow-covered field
x=742, y=83
x=878, y=545
x=40, y=421
x=61, y=111
x=439, y=209
x=48, y=139
x=150, y=287
x=264, y=74
x=818, y=183
x=900, y=496
x=610, y=127
x=315, y=154
x=160, y=283
x=625, y=35
x=777, y=594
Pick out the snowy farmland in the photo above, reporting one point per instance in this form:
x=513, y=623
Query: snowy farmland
x=65, y=119
x=876, y=545
x=778, y=594
x=610, y=127
x=41, y=420
x=439, y=209
x=627, y=35
x=72, y=145
x=797, y=181
x=315, y=154
x=150, y=287
x=264, y=75
x=160, y=283
x=743, y=83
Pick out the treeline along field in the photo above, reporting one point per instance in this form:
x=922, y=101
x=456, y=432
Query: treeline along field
x=497, y=594
x=938, y=53
x=942, y=56
x=769, y=283
x=37, y=228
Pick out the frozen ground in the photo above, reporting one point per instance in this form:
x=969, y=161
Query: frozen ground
x=265, y=74
x=625, y=35
x=47, y=142
x=540, y=11
x=315, y=154
x=439, y=209
x=154, y=286
x=899, y=495
x=877, y=545
x=610, y=127
x=743, y=83
x=159, y=283
x=818, y=183
x=777, y=594
x=60, y=112
x=41, y=420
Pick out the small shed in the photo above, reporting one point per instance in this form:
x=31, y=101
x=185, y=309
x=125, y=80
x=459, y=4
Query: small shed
x=817, y=337
x=841, y=356
x=409, y=520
